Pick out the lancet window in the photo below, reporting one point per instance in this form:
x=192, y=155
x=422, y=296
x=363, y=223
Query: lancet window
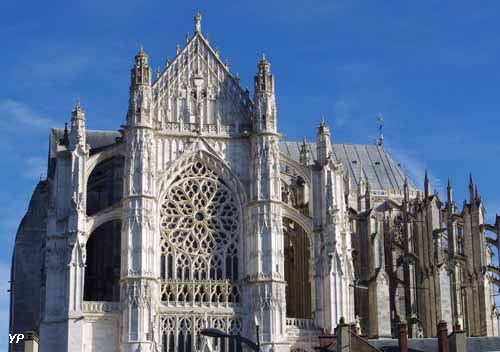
x=200, y=222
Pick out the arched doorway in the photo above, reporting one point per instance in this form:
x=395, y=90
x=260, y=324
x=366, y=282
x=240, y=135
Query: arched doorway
x=102, y=270
x=297, y=271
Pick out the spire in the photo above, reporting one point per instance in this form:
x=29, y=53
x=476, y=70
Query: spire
x=380, y=139
x=449, y=190
x=77, y=133
x=368, y=203
x=304, y=153
x=471, y=189
x=406, y=190
x=323, y=143
x=264, y=65
x=426, y=185
x=197, y=23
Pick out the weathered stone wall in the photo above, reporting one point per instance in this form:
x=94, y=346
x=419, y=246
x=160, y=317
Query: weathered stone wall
x=26, y=272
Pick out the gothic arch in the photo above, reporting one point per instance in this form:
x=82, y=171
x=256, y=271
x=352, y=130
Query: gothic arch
x=105, y=183
x=102, y=270
x=109, y=214
x=211, y=160
x=96, y=159
x=299, y=254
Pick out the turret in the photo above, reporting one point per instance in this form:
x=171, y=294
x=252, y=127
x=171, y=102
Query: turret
x=323, y=144
x=264, y=99
x=141, y=73
x=77, y=132
x=140, y=91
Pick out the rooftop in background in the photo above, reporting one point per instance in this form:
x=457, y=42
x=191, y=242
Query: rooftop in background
x=378, y=167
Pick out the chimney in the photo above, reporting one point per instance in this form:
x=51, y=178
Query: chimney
x=442, y=332
x=343, y=336
x=457, y=341
x=403, y=336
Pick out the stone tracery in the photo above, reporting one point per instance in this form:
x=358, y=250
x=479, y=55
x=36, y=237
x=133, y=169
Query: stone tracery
x=199, y=238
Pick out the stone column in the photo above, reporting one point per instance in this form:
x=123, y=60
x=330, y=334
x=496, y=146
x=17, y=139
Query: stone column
x=140, y=242
x=266, y=284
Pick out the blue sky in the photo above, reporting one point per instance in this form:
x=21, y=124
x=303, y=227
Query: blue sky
x=432, y=68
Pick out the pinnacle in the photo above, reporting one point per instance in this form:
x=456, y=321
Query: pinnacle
x=197, y=22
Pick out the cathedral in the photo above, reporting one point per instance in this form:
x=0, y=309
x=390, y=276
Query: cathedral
x=197, y=214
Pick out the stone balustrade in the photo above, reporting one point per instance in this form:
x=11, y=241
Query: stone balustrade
x=100, y=307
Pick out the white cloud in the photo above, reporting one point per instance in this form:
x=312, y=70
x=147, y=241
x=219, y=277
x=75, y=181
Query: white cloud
x=13, y=112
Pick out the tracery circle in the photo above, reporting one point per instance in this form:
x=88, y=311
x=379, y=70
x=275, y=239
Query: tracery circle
x=199, y=215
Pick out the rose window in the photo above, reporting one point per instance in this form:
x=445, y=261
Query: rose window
x=199, y=233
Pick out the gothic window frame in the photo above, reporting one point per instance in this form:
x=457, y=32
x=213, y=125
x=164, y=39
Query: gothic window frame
x=216, y=173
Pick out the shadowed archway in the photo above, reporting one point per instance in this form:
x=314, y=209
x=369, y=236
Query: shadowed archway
x=102, y=270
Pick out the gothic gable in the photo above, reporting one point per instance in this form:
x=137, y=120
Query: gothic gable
x=197, y=93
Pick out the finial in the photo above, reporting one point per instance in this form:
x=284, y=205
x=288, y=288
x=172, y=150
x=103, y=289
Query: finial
x=177, y=49
x=237, y=77
x=187, y=37
x=426, y=185
x=449, y=182
x=227, y=64
x=206, y=38
x=471, y=183
x=167, y=62
x=217, y=52
x=78, y=106
x=158, y=72
x=380, y=139
x=197, y=23
x=323, y=120
x=264, y=57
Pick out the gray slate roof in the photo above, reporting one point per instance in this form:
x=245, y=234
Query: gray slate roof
x=96, y=139
x=378, y=167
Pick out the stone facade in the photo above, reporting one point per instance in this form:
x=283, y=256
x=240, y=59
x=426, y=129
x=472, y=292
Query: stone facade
x=198, y=214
